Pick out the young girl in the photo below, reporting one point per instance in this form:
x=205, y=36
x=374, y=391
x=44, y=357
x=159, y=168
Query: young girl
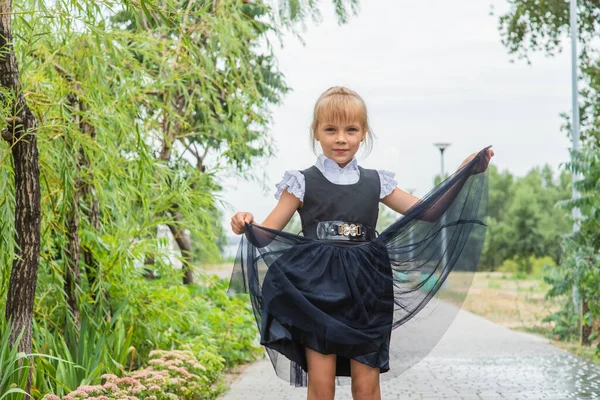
x=326, y=302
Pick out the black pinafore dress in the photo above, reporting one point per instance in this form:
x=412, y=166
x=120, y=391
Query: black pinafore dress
x=339, y=301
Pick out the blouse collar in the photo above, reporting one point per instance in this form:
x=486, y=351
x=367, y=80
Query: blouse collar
x=327, y=164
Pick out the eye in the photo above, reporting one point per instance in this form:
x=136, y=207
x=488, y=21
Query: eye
x=353, y=129
x=329, y=129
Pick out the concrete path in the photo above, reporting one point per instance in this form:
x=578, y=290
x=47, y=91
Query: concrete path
x=476, y=359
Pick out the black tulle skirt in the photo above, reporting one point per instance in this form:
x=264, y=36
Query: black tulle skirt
x=384, y=303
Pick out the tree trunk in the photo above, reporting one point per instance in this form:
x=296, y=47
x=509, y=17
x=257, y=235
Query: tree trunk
x=72, y=272
x=83, y=189
x=183, y=240
x=584, y=330
x=21, y=134
x=185, y=245
x=92, y=211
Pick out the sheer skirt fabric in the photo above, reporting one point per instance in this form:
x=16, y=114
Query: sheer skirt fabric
x=386, y=302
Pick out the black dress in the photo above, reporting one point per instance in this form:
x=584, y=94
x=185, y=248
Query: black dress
x=340, y=292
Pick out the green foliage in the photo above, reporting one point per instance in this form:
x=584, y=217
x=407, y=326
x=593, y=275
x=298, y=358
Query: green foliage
x=218, y=330
x=508, y=265
x=133, y=99
x=524, y=221
x=538, y=266
x=534, y=26
x=81, y=354
x=541, y=265
x=531, y=26
x=232, y=323
x=14, y=367
x=565, y=322
x=167, y=315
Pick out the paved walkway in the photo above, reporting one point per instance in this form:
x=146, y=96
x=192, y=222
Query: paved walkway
x=476, y=359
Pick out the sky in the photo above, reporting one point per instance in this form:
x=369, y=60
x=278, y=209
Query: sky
x=429, y=71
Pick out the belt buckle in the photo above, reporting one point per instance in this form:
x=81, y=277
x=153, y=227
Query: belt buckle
x=350, y=229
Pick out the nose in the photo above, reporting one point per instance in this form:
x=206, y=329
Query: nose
x=340, y=137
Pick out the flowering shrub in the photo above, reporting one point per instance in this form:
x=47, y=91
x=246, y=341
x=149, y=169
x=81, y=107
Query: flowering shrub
x=171, y=375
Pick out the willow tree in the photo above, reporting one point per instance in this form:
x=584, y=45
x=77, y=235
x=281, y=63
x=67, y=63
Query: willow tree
x=208, y=89
x=125, y=111
x=18, y=126
x=213, y=83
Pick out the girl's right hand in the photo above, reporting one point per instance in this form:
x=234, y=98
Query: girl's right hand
x=239, y=220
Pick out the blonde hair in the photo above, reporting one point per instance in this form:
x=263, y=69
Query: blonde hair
x=339, y=104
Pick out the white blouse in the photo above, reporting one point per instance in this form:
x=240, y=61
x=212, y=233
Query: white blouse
x=293, y=180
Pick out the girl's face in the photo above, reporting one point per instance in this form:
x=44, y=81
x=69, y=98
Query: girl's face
x=340, y=140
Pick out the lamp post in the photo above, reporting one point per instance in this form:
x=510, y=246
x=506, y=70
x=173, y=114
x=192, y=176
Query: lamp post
x=443, y=146
x=575, y=142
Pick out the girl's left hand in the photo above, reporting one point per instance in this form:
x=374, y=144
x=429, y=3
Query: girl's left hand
x=484, y=162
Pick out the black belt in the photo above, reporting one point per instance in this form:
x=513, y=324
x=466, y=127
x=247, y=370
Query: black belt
x=343, y=230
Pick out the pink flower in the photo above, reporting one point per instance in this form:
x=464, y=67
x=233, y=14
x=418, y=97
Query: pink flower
x=128, y=381
x=51, y=397
x=90, y=389
x=109, y=378
x=141, y=374
x=79, y=393
x=156, y=353
x=199, y=366
x=157, y=361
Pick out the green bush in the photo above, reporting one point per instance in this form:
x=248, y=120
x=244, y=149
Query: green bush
x=143, y=315
x=199, y=317
x=537, y=267
x=508, y=265
x=539, y=264
x=80, y=355
x=13, y=378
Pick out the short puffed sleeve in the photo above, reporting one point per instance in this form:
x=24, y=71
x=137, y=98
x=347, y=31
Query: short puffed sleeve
x=388, y=183
x=293, y=181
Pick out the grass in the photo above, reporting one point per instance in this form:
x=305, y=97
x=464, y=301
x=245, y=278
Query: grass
x=513, y=303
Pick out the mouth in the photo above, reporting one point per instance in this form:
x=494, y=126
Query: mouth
x=338, y=151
